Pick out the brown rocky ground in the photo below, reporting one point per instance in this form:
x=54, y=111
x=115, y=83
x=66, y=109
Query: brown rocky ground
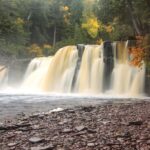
x=104, y=127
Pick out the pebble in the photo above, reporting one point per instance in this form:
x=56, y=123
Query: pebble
x=67, y=130
x=48, y=147
x=80, y=128
x=135, y=123
x=90, y=144
x=83, y=128
x=35, y=140
x=148, y=142
x=12, y=144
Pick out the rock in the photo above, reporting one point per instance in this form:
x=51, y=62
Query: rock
x=126, y=135
x=80, y=128
x=35, y=127
x=35, y=140
x=67, y=130
x=48, y=147
x=106, y=122
x=12, y=144
x=92, y=131
x=135, y=123
x=90, y=144
x=70, y=111
x=85, y=129
x=12, y=148
x=148, y=142
x=63, y=122
x=87, y=108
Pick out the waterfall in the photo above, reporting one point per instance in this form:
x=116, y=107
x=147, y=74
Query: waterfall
x=126, y=79
x=35, y=72
x=3, y=76
x=92, y=69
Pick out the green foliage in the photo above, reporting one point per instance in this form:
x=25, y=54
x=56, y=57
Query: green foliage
x=62, y=22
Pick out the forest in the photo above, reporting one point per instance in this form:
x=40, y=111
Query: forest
x=34, y=28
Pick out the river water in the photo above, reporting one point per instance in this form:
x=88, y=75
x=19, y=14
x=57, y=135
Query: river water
x=13, y=103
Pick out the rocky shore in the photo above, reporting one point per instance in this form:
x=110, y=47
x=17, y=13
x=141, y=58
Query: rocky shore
x=110, y=126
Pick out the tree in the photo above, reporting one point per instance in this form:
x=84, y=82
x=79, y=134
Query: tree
x=92, y=26
x=13, y=37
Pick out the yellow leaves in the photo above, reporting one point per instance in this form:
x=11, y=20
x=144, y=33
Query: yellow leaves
x=66, y=18
x=108, y=28
x=66, y=14
x=65, y=8
x=92, y=26
x=99, y=41
x=19, y=21
x=47, y=46
x=137, y=53
x=35, y=50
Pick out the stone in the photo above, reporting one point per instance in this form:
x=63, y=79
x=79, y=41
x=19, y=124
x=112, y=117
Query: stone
x=90, y=144
x=148, y=142
x=48, y=147
x=70, y=111
x=35, y=140
x=92, y=131
x=12, y=144
x=80, y=128
x=67, y=130
x=135, y=123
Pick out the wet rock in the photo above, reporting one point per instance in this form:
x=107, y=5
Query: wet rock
x=35, y=140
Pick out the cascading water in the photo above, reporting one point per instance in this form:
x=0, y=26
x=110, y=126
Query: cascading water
x=126, y=79
x=93, y=69
x=36, y=70
x=3, y=76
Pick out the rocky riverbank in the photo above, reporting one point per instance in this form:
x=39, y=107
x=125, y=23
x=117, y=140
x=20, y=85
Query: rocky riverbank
x=111, y=126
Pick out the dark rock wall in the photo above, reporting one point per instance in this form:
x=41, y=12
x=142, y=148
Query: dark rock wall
x=80, y=48
x=108, y=58
x=147, y=82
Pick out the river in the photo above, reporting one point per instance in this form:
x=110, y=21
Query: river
x=12, y=104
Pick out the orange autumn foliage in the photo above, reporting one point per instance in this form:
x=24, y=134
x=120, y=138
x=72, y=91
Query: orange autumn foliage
x=137, y=53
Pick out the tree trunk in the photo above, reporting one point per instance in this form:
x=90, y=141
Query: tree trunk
x=54, y=38
x=135, y=20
